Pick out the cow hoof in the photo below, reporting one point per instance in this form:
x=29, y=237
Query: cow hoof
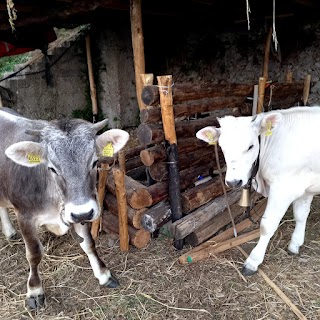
x=290, y=253
x=35, y=302
x=113, y=282
x=247, y=272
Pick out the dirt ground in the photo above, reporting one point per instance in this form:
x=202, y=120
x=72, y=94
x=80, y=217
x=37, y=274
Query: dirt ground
x=154, y=286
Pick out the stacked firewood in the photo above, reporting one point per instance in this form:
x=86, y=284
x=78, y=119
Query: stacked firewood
x=203, y=204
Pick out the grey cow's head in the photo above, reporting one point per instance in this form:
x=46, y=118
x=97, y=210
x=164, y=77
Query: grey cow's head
x=70, y=150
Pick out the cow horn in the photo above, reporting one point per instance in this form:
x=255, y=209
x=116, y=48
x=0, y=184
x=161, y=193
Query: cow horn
x=100, y=125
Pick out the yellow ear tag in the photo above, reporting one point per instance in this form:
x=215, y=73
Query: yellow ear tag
x=33, y=158
x=210, y=137
x=269, y=131
x=107, y=151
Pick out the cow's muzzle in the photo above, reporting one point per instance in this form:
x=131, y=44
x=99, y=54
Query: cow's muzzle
x=82, y=217
x=234, y=183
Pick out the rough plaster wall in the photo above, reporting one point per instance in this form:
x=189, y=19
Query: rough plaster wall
x=32, y=96
x=116, y=89
x=237, y=57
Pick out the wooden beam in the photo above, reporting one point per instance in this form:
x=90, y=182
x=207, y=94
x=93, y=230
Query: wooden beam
x=138, y=47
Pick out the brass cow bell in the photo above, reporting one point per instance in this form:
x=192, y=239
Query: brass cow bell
x=245, y=198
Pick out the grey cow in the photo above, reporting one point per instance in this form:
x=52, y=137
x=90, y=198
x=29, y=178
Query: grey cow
x=48, y=175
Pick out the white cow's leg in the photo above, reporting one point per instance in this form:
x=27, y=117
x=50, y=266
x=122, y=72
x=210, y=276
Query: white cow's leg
x=7, y=227
x=301, y=209
x=98, y=267
x=275, y=210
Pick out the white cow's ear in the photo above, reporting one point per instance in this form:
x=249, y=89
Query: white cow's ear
x=111, y=142
x=269, y=122
x=209, y=134
x=27, y=153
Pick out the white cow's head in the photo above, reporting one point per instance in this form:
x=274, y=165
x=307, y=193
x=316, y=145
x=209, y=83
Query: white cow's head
x=238, y=139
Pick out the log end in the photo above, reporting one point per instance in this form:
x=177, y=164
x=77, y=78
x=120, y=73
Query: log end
x=148, y=223
x=146, y=158
x=141, y=239
x=140, y=199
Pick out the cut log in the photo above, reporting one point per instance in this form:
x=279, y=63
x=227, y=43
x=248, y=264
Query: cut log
x=152, y=133
x=138, y=196
x=158, y=152
x=138, y=238
x=156, y=216
x=133, y=163
x=213, y=226
x=180, y=229
x=193, y=91
x=197, y=196
x=134, y=216
x=158, y=191
x=256, y=213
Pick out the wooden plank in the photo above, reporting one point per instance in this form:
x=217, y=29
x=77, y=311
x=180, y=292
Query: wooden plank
x=223, y=246
x=256, y=213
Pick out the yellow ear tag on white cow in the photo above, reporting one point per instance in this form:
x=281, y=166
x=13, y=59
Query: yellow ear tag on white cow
x=107, y=151
x=269, y=131
x=33, y=158
x=209, y=135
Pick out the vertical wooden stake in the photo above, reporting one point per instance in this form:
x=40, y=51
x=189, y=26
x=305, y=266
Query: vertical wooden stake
x=262, y=87
x=138, y=46
x=267, y=55
x=93, y=91
x=166, y=102
x=122, y=209
x=255, y=99
x=96, y=224
x=122, y=160
x=306, y=88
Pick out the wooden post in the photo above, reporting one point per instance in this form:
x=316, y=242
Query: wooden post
x=262, y=87
x=255, y=99
x=267, y=55
x=289, y=77
x=147, y=79
x=138, y=46
x=93, y=91
x=122, y=209
x=96, y=224
x=122, y=160
x=166, y=102
x=306, y=89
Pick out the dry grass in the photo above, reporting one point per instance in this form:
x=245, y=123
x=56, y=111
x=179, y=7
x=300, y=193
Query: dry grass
x=154, y=286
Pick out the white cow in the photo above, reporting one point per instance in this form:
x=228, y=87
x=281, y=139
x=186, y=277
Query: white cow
x=289, y=166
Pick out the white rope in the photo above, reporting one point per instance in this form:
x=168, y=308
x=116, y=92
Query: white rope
x=274, y=33
x=248, y=11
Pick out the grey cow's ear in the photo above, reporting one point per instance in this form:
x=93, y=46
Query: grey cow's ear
x=100, y=125
x=111, y=142
x=27, y=153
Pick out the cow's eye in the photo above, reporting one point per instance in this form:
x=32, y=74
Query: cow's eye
x=53, y=170
x=250, y=147
x=94, y=164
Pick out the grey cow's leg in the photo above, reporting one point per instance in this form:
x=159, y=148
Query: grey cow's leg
x=275, y=210
x=7, y=227
x=301, y=210
x=98, y=267
x=34, y=253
